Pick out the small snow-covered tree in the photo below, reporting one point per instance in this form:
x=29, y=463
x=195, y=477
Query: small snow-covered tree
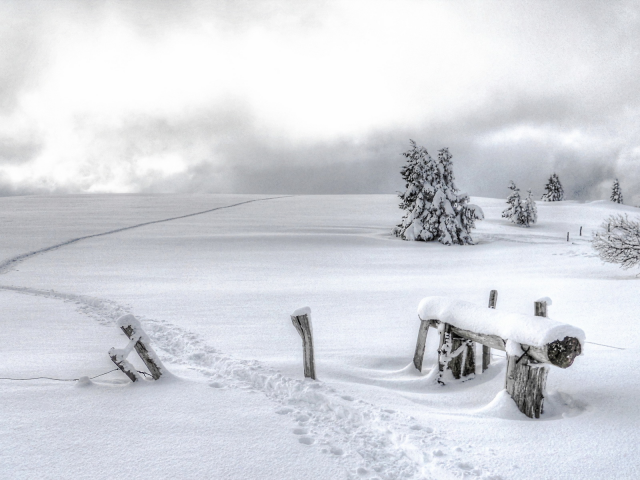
x=618, y=241
x=514, y=211
x=616, y=194
x=521, y=212
x=553, y=190
x=529, y=209
x=435, y=210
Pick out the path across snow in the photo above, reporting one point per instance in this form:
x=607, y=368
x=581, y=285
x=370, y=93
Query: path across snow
x=214, y=294
x=368, y=441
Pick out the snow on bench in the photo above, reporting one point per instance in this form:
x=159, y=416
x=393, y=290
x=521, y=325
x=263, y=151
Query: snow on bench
x=530, y=342
x=530, y=330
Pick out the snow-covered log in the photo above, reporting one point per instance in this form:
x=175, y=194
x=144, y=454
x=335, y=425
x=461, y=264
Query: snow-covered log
x=545, y=340
x=530, y=342
x=139, y=341
x=301, y=320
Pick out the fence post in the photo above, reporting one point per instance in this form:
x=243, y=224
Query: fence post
x=526, y=378
x=418, y=356
x=486, y=351
x=301, y=320
x=139, y=341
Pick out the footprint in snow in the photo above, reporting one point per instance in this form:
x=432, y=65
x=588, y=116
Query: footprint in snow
x=284, y=411
x=306, y=440
x=464, y=466
x=348, y=398
x=300, y=431
x=336, y=451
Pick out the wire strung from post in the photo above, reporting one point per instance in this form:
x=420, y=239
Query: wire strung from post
x=67, y=379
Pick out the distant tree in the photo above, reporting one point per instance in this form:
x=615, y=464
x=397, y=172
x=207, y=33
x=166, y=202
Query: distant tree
x=521, y=212
x=514, y=211
x=618, y=241
x=434, y=209
x=553, y=190
x=529, y=210
x=616, y=194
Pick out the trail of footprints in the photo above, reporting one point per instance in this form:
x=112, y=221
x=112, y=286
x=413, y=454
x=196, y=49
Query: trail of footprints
x=370, y=442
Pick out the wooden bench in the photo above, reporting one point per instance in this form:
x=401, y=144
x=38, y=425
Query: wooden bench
x=531, y=343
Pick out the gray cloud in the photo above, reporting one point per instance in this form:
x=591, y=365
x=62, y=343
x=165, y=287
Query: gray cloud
x=563, y=98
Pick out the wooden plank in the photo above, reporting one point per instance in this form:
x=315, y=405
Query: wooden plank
x=143, y=352
x=302, y=324
x=418, y=356
x=486, y=350
x=492, y=341
x=463, y=364
x=124, y=366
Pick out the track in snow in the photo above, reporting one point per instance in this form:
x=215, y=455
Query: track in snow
x=369, y=441
x=7, y=264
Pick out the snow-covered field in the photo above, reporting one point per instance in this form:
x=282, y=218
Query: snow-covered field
x=214, y=292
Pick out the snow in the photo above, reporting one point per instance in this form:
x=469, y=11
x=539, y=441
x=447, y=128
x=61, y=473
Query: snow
x=546, y=300
x=526, y=329
x=213, y=292
x=302, y=311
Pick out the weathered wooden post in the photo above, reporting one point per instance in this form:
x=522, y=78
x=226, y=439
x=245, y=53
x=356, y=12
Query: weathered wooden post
x=418, y=356
x=301, y=320
x=139, y=341
x=455, y=354
x=580, y=231
x=567, y=236
x=526, y=377
x=486, y=350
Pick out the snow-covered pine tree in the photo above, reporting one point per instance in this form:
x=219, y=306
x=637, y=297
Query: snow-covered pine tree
x=616, y=194
x=521, y=212
x=435, y=210
x=553, y=190
x=514, y=211
x=529, y=210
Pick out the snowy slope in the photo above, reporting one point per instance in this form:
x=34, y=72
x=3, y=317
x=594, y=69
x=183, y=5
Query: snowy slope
x=214, y=292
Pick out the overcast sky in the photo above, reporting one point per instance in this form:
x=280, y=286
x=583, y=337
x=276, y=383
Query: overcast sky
x=317, y=97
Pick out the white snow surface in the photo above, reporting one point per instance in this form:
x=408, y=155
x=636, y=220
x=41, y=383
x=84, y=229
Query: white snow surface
x=213, y=292
x=302, y=311
x=524, y=329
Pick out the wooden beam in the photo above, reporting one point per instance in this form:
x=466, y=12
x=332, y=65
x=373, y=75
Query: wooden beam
x=302, y=323
x=560, y=353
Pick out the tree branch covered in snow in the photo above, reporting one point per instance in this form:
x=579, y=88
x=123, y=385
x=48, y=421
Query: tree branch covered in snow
x=618, y=241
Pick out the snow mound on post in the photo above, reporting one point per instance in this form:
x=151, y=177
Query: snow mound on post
x=525, y=329
x=129, y=320
x=302, y=311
